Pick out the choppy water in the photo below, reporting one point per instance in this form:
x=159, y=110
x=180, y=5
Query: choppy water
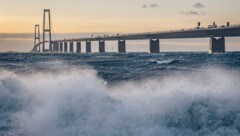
x=135, y=94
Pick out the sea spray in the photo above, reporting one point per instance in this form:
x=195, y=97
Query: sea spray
x=78, y=102
x=119, y=94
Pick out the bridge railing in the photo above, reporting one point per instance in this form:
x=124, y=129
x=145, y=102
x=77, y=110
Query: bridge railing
x=157, y=32
x=183, y=30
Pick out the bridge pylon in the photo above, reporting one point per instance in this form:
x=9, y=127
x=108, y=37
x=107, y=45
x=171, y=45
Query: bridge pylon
x=47, y=29
x=37, y=39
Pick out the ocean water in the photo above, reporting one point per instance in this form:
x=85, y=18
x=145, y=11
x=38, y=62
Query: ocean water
x=133, y=94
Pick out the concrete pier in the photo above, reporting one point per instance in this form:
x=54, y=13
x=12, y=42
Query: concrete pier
x=88, y=46
x=121, y=46
x=79, y=47
x=217, y=45
x=101, y=46
x=65, y=47
x=154, y=46
x=61, y=47
x=43, y=48
x=53, y=47
x=71, y=47
x=56, y=47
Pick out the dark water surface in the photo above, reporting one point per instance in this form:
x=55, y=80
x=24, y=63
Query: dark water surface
x=133, y=94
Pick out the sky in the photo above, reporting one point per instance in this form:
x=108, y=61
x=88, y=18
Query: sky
x=76, y=18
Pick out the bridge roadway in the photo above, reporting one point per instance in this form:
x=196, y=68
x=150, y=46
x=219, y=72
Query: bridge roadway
x=217, y=39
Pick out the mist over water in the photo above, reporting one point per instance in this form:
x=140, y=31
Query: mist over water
x=120, y=94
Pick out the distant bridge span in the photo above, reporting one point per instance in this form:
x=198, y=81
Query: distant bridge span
x=232, y=31
x=216, y=34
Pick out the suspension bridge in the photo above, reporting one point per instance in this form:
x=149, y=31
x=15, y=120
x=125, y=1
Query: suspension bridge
x=216, y=34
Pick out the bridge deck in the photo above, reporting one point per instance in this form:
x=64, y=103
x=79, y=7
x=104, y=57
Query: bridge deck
x=231, y=31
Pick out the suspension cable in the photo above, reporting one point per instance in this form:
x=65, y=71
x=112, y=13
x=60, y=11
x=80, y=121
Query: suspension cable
x=53, y=30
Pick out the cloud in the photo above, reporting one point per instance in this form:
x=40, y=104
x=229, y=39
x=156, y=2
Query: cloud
x=198, y=5
x=192, y=12
x=154, y=5
x=202, y=13
x=144, y=6
x=16, y=35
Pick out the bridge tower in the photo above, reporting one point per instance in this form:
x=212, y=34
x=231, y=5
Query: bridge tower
x=47, y=29
x=37, y=39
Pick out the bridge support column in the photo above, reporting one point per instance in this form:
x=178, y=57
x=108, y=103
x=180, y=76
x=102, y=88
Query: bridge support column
x=79, y=47
x=217, y=45
x=65, y=47
x=38, y=48
x=61, y=47
x=101, y=46
x=51, y=47
x=42, y=50
x=88, y=46
x=57, y=47
x=121, y=46
x=154, y=46
x=71, y=47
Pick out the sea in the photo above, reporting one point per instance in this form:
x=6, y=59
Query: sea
x=111, y=94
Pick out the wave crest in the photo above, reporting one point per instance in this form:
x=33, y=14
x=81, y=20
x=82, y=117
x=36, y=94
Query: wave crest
x=77, y=102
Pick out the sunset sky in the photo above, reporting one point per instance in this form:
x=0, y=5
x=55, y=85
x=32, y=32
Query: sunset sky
x=111, y=16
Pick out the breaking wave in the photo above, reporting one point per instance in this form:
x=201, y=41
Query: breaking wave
x=166, y=61
x=77, y=102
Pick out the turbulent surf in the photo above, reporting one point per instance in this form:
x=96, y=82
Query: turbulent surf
x=133, y=94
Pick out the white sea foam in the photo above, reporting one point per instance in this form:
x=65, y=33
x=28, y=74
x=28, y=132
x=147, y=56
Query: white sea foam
x=164, y=61
x=78, y=103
